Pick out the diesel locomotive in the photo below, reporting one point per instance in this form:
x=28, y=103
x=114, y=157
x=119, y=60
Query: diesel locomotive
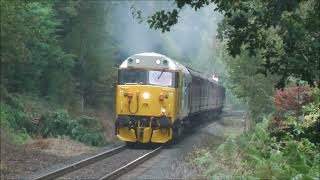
x=156, y=98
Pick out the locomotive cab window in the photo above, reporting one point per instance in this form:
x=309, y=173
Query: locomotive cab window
x=160, y=78
x=143, y=77
x=132, y=76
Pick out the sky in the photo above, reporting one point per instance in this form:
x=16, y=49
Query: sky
x=187, y=40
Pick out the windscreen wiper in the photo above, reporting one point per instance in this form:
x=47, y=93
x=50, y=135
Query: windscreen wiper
x=161, y=74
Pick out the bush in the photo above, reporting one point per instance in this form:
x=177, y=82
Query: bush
x=291, y=99
x=21, y=118
x=60, y=123
x=89, y=122
x=12, y=125
x=259, y=155
x=311, y=120
x=15, y=118
x=306, y=125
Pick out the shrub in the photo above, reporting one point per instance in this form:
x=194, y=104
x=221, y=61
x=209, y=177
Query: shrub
x=258, y=155
x=12, y=125
x=54, y=124
x=15, y=118
x=60, y=123
x=311, y=120
x=291, y=99
x=21, y=121
x=88, y=122
x=307, y=125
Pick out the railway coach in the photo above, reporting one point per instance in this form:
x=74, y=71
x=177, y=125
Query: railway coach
x=156, y=98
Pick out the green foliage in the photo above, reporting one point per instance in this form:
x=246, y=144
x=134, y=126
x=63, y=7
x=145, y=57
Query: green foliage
x=312, y=111
x=228, y=150
x=13, y=125
x=14, y=117
x=22, y=117
x=89, y=39
x=306, y=126
x=257, y=154
x=58, y=52
x=47, y=49
x=284, y=33
x=29, y=47
x=168, y=19
x=254, y=89
x=290, y=150
x=59, y=123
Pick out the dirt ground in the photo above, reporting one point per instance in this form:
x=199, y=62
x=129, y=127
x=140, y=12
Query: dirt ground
x=23, y=160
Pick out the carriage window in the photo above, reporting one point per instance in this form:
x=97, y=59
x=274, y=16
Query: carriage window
x=160, y=78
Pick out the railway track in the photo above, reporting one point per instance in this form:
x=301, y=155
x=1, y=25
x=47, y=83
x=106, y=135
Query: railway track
x=81, y=169
x=77, y=165
x=70, y=171
x=122, y=170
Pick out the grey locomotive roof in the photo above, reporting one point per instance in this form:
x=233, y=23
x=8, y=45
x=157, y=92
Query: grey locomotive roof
x=148, y=60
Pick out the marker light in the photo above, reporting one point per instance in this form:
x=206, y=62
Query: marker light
x=158, y=61
x=161, y=97
x=137, y=61
x=165, y=62
x=146, y=95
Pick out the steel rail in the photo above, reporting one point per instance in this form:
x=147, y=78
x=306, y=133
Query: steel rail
x=126, y=168
x=77, y=165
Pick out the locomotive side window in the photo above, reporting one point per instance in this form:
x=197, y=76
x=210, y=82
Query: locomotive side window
x=160, y=78
x=176, y=79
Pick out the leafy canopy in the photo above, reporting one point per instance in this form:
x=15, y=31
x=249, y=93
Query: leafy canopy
x=287, y=32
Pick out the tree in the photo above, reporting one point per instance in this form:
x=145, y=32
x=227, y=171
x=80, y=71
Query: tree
x=255, y=90
x=30, y=49
x=295, y=25
x=89, y=39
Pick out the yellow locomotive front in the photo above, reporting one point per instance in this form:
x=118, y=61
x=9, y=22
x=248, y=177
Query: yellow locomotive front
x=147, y=99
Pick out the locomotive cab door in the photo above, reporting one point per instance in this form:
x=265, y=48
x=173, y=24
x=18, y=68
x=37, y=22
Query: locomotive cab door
x=185, y=91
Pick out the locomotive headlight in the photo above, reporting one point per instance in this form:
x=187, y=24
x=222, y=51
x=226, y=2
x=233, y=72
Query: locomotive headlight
x=146, y=95
x=163, y=110
x=158, y=61
x=137, y=61
x=163, y=130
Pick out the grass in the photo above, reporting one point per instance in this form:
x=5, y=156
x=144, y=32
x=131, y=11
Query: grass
x=207, y=161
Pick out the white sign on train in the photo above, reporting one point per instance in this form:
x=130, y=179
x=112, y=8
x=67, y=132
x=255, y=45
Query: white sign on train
x=215, y=78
